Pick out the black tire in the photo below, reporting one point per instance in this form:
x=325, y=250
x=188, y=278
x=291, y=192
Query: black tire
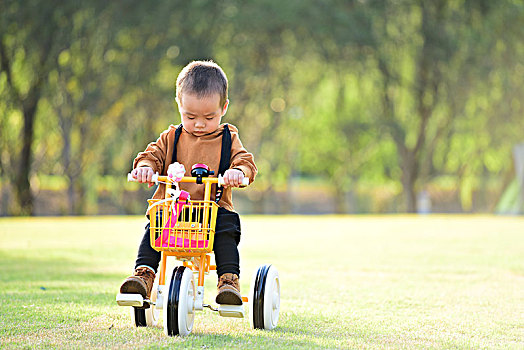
x=258, y=297
x=178, y=320
x=265, y=298
x=140, y=317
x=146, y=317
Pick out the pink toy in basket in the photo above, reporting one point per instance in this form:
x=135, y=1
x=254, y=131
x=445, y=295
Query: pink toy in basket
x=187, y=243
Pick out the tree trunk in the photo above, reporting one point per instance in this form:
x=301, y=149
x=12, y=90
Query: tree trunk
x=71, y=195
x=22, y=184
x=409, y=178
x=65, y=128
x=28, y=105
x=341, y=206
x=81, y=202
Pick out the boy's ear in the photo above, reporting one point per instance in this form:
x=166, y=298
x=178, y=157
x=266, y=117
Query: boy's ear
x=178, y=105
x=224, y=109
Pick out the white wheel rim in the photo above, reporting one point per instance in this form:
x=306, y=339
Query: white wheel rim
x=271, y=299
x=186, y=302
x=153, y=314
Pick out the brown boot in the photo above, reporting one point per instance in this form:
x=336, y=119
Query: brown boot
x=229, y=290
x=140, y=283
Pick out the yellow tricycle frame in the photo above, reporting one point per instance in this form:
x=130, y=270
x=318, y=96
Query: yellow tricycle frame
x=194, y=231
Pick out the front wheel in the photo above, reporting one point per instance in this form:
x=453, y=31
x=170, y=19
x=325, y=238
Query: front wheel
x=179, y=307
x=264, y=301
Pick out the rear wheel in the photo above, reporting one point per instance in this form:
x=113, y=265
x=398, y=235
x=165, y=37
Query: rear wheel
x=146, y=317
x=179, y=308
x=138, y=317
x=264, y=301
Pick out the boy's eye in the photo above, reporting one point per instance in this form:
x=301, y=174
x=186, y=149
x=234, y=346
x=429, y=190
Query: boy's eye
x=190, y=117
x=209, y=118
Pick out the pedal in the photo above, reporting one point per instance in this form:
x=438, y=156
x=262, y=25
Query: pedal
x=231, y=310
x=135, y=300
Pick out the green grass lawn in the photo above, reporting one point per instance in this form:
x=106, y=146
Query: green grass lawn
x=347, y=282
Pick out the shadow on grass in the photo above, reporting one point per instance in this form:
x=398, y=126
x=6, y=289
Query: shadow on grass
x=29, y=280
x=27, y=268
x=293, y=331
x=275, y=339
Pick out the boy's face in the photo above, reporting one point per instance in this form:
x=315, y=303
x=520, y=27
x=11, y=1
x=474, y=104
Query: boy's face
x=201, y=116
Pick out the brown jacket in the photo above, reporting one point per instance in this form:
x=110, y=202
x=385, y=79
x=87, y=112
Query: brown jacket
x=192, y=150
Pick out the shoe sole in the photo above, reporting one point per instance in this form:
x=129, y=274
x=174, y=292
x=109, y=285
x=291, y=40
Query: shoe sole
x=229, y=298
x=133, y=287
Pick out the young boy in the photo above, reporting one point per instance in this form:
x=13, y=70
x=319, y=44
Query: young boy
x=201, y=95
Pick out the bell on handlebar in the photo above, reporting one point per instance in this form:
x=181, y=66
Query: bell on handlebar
x=199, y=171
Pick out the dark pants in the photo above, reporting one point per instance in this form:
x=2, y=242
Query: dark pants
x=227, y=238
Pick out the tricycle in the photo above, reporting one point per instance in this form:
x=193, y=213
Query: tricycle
x=184, y=229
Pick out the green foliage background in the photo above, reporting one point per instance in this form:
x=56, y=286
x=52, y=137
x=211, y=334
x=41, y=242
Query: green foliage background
x=376, y=100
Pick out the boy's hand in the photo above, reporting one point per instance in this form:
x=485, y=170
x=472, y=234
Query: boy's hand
x=233, y=178
x=143, y=174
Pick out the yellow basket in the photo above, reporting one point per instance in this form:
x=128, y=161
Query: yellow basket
x=184, y=227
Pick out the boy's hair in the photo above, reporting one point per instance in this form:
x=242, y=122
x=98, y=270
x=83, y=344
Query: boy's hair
x=203, y=78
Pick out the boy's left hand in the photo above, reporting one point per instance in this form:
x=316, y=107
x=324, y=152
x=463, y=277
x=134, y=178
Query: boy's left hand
x=233, y=178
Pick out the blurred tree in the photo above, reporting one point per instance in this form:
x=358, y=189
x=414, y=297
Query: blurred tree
x=486, y=102
x=356, y=92
x=339, y=135
x=423, y=52
x=261, y=74
x=32, y=35
x=84, y=95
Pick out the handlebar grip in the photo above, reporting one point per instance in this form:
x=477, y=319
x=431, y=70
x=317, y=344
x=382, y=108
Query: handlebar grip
x=245, y=181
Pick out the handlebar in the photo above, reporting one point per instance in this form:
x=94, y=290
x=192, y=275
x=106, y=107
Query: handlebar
x=212, y=180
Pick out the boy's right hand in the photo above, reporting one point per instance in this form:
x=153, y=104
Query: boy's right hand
x=143, y=174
